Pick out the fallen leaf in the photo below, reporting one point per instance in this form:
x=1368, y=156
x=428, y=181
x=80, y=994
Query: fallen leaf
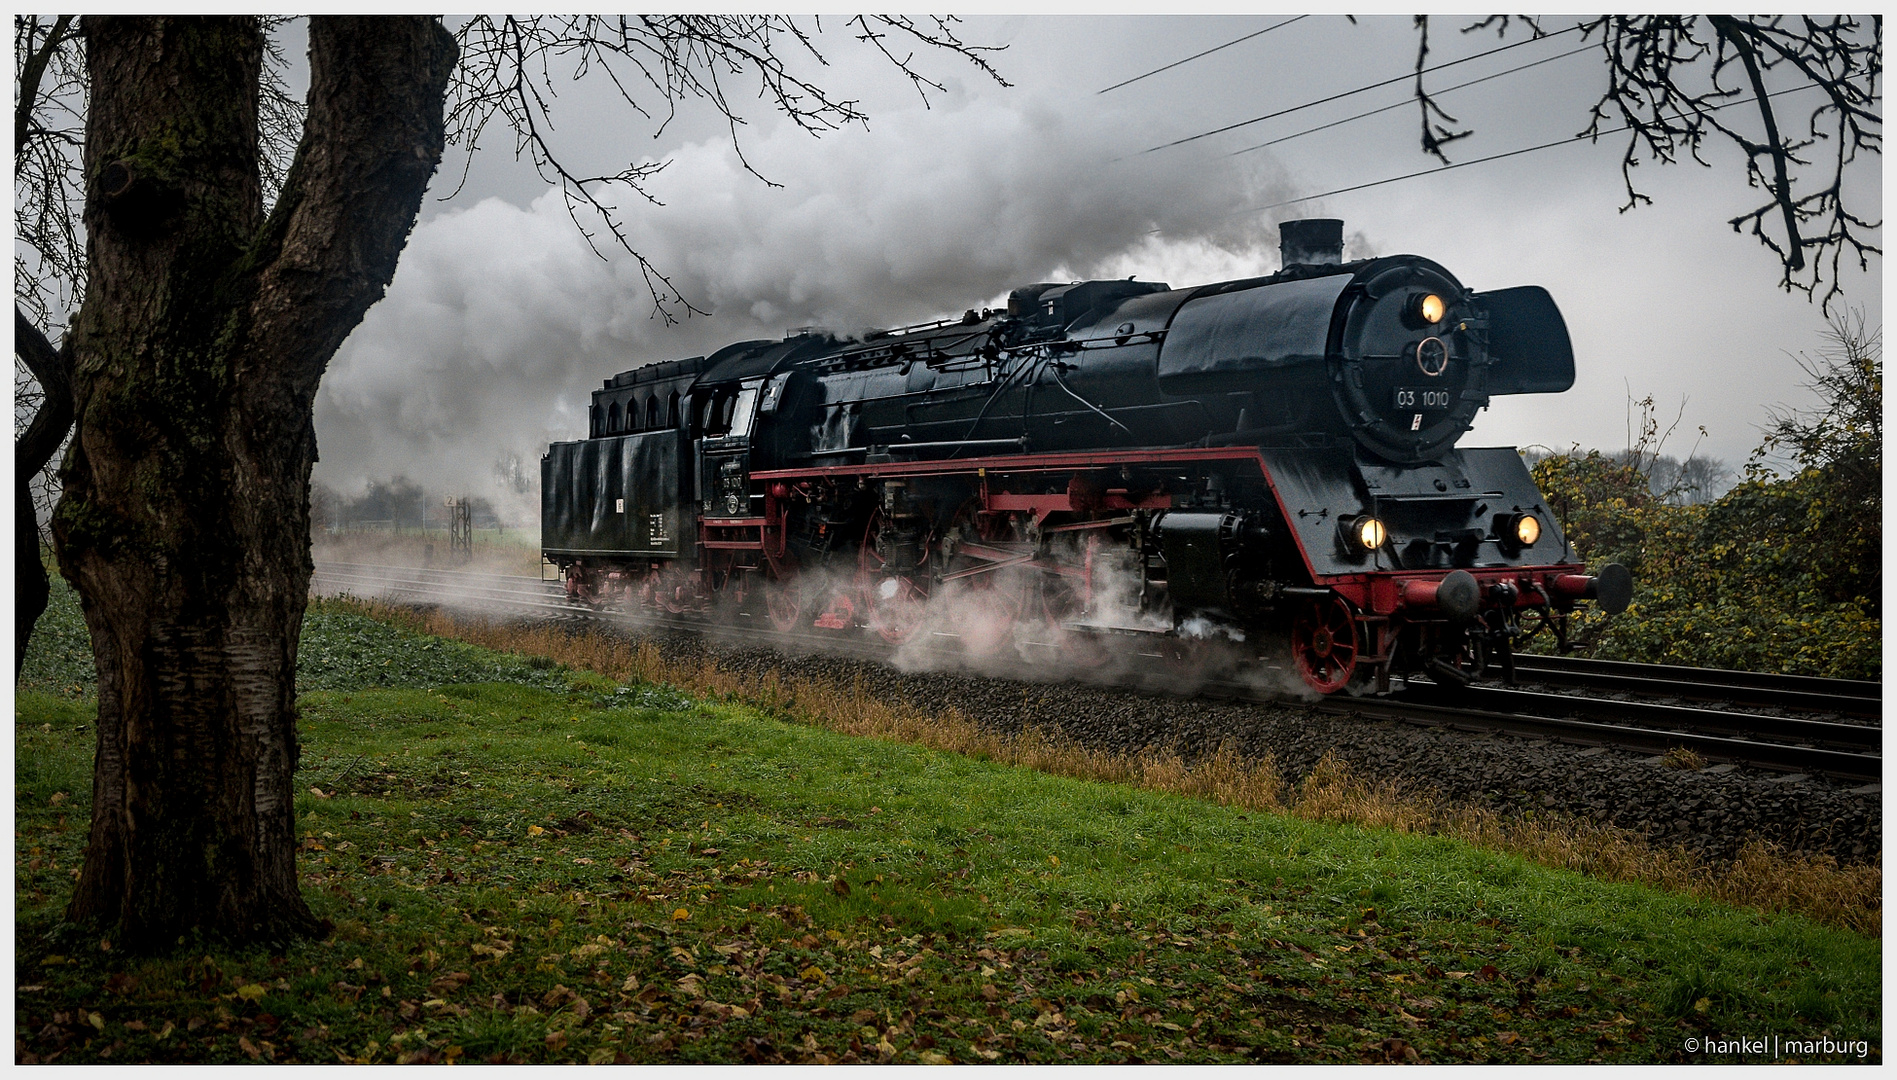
x=252, y=992
x=248, y=1047
x=449, y=983
x=813, y=973
x=681, y=915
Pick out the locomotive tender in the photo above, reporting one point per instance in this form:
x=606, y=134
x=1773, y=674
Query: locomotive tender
x=1270, y=461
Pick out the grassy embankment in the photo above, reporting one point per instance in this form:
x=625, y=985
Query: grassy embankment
x=526, y=861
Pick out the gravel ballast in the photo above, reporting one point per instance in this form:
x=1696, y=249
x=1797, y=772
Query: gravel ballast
x=1710, y=812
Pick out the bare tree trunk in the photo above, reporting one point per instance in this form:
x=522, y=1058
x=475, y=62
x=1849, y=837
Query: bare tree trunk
x=184, y=523
x=31, y=451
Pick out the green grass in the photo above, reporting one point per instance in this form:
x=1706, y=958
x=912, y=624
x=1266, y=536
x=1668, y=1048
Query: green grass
x=525, y=863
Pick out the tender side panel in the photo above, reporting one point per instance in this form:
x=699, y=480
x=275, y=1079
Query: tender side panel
x=618, y=496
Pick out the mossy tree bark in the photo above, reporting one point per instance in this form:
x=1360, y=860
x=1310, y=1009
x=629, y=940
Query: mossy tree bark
x=184, y=523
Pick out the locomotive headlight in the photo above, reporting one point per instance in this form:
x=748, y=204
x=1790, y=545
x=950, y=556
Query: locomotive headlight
x=1364, y=533
x=1527, y=529
x=1424, y=309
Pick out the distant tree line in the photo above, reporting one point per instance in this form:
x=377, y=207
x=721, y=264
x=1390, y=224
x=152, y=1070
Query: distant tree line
x=1783, y=571
x=400, y=503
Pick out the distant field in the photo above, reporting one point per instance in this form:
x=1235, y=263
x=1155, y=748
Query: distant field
x=526, y=863
x=509, y=551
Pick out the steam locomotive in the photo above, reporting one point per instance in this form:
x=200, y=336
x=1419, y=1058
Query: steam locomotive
x=1270, y=463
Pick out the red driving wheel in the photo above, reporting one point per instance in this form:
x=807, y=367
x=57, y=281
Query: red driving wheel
x=1324, y=644
x=895, y=603
x=784, y=603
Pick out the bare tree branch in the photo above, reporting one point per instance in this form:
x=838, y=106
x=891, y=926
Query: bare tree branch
x=1668, y=77
x=1436, y=134
x=656, y=64
x=48, y=121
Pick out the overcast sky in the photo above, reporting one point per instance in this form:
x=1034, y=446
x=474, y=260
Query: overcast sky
x=501, y=320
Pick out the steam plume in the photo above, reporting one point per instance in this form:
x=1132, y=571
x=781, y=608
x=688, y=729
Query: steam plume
x=501, y=320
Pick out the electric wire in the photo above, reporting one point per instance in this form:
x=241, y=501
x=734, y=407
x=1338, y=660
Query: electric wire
x=1412, y=101
x=1492, y=157
x=1207, y=52
x=1358, y=90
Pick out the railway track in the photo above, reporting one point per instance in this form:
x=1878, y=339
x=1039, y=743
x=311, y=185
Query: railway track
x=1811, y=725
x=1845, y=697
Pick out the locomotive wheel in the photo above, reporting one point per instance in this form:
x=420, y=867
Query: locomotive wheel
x=784, y=603
x=895, y=608
x=983, y=609
x=1324, y=644
x=894, y=602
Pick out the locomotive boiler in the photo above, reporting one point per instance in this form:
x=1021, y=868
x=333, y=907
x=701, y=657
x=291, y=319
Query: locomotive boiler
x=1269, y=462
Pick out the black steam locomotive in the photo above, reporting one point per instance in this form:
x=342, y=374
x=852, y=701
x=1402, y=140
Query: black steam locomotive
x=1269, y=462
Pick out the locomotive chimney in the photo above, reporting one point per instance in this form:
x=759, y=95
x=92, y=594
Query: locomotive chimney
x=1313, y=241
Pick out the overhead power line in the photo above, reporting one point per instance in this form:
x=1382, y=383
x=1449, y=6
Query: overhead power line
x=1408, y=101
x=1208, y=52
x=1491, y=157
x=1358, y=90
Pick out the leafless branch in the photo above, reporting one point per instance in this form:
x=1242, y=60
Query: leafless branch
x=1668, y=77
x=1436, y=133
x=656, y=64
x=48, y=185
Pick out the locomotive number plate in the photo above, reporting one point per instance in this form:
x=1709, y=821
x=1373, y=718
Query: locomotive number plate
x=1421, y=399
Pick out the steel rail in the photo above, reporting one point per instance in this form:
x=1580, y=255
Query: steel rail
x=1850, y=697
x=1771, y=756
x=1647, y=714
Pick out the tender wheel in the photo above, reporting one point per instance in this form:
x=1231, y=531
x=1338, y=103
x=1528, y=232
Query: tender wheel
x=668, y=589
x=1324, y=644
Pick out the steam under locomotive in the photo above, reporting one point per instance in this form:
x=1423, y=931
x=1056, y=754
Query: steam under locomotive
x=1270, y=462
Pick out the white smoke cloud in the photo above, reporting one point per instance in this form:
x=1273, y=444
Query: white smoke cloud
x=502, y=320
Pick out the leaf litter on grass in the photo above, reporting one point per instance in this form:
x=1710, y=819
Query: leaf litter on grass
x=524, y=872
